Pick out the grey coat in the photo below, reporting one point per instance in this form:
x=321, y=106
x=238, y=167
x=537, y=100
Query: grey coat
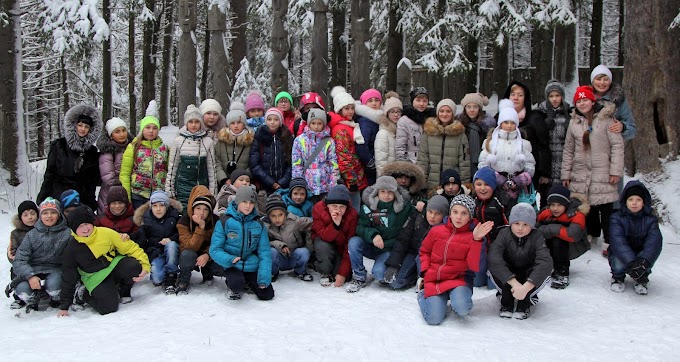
x=41, y=250
x=509, y=253
x=296, y=232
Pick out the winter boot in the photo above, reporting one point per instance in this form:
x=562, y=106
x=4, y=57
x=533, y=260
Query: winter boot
x=305, y=277
x=208, y=278
x=640, y=288
x=182, y=288
x=356, y=284
x=124, y=293
x=505, y=312
x=618, y=285
x=233, y=295
x=523, y=310
x=8, y=289
x=560, y=278
x=39, y=301
x=169, y=283
x=78, y=301
x=327, y=280
x=17, y=304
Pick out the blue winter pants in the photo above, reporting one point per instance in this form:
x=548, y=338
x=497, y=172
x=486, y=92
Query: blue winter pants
x=407, y=274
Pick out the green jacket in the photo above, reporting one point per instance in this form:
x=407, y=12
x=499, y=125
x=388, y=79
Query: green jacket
x=383, y=218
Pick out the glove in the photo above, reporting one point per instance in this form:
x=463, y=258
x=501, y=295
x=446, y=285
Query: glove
x=390, y=275
x=550, y=231
x=8, y=289
x=638, y=270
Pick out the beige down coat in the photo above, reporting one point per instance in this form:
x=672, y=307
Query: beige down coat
x=443, y=147
x=588, y=170
x=385, y=141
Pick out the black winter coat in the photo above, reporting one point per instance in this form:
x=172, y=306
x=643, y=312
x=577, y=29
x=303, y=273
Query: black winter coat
x=270, y=158
x=491, y=210
x=410, y=238
x=509, y=254
x=152, y=230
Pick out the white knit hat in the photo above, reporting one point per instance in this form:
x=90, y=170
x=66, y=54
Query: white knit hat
x=209, y=105
x=446, y=102
x=114, y=123
x=192, y=113
x=600, y=69
x=340, y=98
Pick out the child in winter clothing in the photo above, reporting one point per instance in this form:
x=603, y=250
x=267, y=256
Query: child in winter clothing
x=487, y=208
x=284, y=102
x=145, y=163
x=270, y=154
x=369, y=111
x=192, y=159
x=383, y=214
x=410, y=125
x=557, y=117
x=509, y=155
x=443, y=145
x=213, y=120
x=111, y=146
x=320, y=173
x=636, y=240
x=386, y=137
x=290, y=240
x=446, y=254
x=232, y=147
x=69, y=200
x=450, y=185
x=239, y=177
x=254, y=109
x=347, y=135
x=592, y=162
x=240, y=245
x=73, y=160
x=296, y=198
x=105, y=264
x=158, y=236
x=411, y=178
x=519, y=263
x=308, y=101
x=195, y=230
x=37, y=258
x=118, y=214
x=335, y=221
x=477, y=125
x=563, y=226
x=23, y=221
x=403, y=265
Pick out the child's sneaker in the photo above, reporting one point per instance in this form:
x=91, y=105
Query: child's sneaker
x=169, y=283
x=327, y=280
x=522, y=312
x=355, y=285
x=617, y=285
x=505, y=312
x=233, y=295
x=560, y=282
x=640, y=288
x=78, y=301
x=182, y=288
x=306, y=277
x=17, y=304
x=125, y=300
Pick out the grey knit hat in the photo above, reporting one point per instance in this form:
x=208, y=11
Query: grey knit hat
x=317, y=113
x=388, y=183
x=236, y=115
x=523, y=212
x=464, y=200
x=245, y=193
x=438, y=203
x=339, y=194
x=552, y=86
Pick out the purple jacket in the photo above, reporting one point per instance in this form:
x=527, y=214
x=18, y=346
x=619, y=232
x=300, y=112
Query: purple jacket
x=110, y=159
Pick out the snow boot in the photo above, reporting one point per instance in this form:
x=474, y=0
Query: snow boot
x=169, y=283
x=640, y=288
x=523, y=310
x=560, y=281
x=233, y=295
x=618, y=285
x=505, y=312
x=356, y=284
x=78, y=301
x=182, y=288
x=327, y=280
x=124, y=293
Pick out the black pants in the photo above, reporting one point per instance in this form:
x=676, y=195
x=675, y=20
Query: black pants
x=187, y=264
x=559, y=251
x=507, y=300
x=598, y=220
x=104, y=298
x=237, y=281
x=544, y=191
x=327, y=258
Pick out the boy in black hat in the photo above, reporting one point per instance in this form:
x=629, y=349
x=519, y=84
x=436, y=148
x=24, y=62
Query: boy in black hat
x=450, y=184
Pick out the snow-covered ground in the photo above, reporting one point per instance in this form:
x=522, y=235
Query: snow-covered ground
x=305, y=322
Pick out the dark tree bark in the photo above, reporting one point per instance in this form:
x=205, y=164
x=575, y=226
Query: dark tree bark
x=541, y=55
x=652, y=82
x=40, y=115
x=564, y=61
x=239, y=49
x=395, y=48
x=217, y=24
x=339, y=51
x=320, y=49
x=361, y=32
x=131, y=69
x=107, y=101
x=186, y=58
x=148, y=55
x=64, y=91
x=596, y=34
x=470, y=78
x=203, y=87
x=10, y=76
x=166, y=62
x=622, y=21
x=500, y=68
x=279, y=46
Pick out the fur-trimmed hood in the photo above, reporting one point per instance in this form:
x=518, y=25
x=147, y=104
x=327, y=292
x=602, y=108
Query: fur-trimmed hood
x=370, y=198
x=106, y=145
x=18, y=224
x=69, y=126
x=246, y=139
x=368, y=112
x=388, y=125
x=217, y=127
x=433, y=127
x=409, y=169
x=139, y=213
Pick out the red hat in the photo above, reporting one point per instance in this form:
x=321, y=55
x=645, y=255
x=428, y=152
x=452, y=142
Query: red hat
x=311, y=97
x=584, y=91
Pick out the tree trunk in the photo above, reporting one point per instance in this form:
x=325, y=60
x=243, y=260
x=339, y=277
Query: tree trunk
x=239, y=44
x=541, y=55
x=186, y=58
x=596, y=34
x=395, y=48
x=40, y=115
x=107, y=102
x=166, y=62
x=320, y=49
x=64, y=92
x=148, y=61
x=217, y=24
x=361, y=32
x=10, y=102
x=652, y=82
x=279, y=47
x=131, y=69
x=472, y=54
x=339, y=52
x=564, y=59
x=500, y=68
x=203, y=87
x=622, y=21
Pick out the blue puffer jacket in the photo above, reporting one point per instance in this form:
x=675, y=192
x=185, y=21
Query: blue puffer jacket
x=366, y=151
x=304, y=210
x=270, y=158
x=635, y=235
x=244, y=236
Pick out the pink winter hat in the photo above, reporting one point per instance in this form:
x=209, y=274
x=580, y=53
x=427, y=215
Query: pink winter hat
x=368, y=94
x=276, y=112
x=254, y=100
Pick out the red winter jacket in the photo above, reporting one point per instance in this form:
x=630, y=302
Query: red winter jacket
x=324, y=228
x=570, y=229
x=351, y=168
x=446, y=254
x=121, y=223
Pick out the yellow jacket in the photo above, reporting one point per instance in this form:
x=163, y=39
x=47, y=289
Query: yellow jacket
x=107, y=242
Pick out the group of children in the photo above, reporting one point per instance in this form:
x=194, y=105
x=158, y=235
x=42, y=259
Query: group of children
x=422, y=191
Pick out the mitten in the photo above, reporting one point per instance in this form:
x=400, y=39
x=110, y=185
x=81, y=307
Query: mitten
x=550, y=231
x=390, y=275
x=523, y=179
x=638, y=269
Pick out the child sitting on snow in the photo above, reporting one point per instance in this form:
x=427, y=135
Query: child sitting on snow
x=295, y=198
x=237, y=178
x=118, y=213
x=23, y=221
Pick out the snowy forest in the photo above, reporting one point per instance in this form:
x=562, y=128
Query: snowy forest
x=119, y=55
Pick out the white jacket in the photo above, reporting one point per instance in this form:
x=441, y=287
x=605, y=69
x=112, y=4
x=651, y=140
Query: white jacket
x=506, y=157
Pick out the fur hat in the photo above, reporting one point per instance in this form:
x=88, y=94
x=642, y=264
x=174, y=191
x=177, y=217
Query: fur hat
x=450, y=175
x=283, y=95
x=465, y=201
x=80, y=215
x=113, y=124
x=476, y=98
x=238, y=173
x=554, y=85
x=192, y=113
x=245, y=193
x=254, y=100
x=147, y=121
x=275, y=202
x=523, y=212
x=370, y=93
x=392, y=103
x=159, y=196
x=388, y=183
x=339, y=194
x=584, y=92
x=599, y=70
x=340, y=98
x=487, y=175
x=49, y=204
x=27, y=205
x=117, y=193
x=69, y=198
x=210, y=105
x=317, y=113
x=438, y=203
x=273, y=111
x=419, y=91
x=446, y=102
x=559, y=194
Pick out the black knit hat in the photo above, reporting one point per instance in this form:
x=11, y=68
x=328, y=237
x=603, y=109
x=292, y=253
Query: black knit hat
x=450, y=176
x=275, y=202
x=238, y=173
x=559, y=194
x=80, y=215
x=297, y=182
x=419, y=91
x=83, y=118
x=27, y=205
x=636, y=190
x=117, y=193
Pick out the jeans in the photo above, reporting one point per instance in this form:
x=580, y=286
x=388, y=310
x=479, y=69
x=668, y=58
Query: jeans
x=480, y=278
x=434, y=308
x=166, y=263
x=52, y=286
x=407, y=273
x=358, y=249
x=297, y=261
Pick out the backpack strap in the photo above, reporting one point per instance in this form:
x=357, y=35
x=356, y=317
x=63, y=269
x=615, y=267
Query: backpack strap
x=321, y=145
x=296, y=126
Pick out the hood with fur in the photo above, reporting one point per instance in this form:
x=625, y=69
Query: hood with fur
x=433, y=127
x=246, y=139
x=18, y=224
x=74, y=142
x=106, y=145
x=615, y=94
x=388, y=125
x=139, y=213
x=370, y=198
x=527, y=93
x=221, y=124
x=580, y=203
x=409, y=169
